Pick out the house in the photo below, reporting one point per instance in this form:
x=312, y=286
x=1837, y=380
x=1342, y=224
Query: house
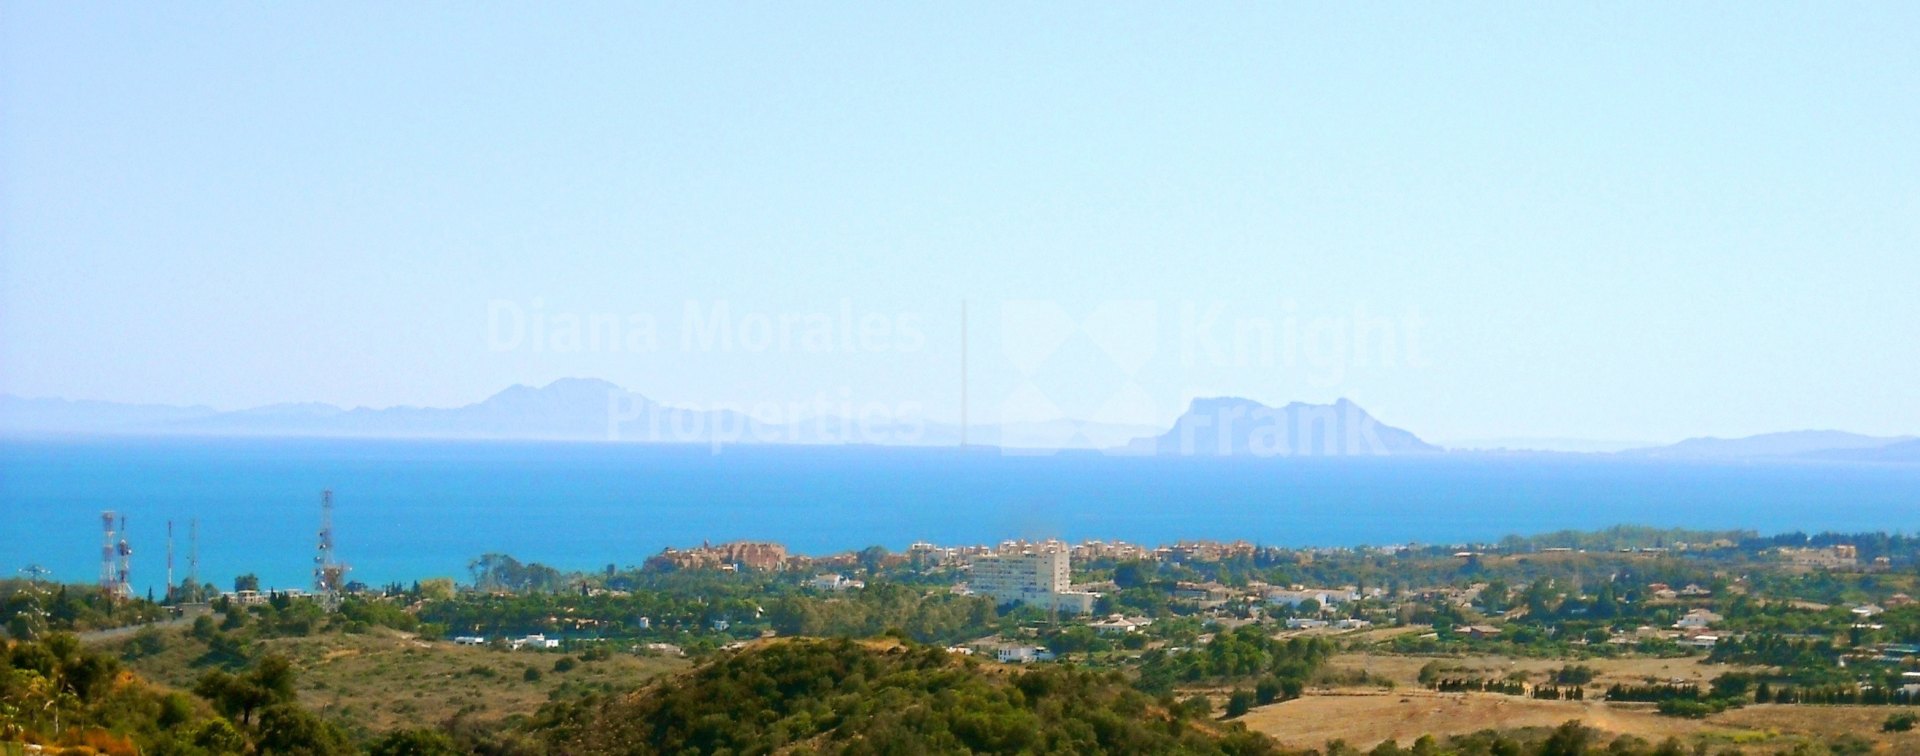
x=1304, y=623
x=1480, y=632
x=1325, y=597
x=1023, y=654
x=535, y=641
x=1118, y=625
x=470, y=640
x=1831, y=557
x=1697, y=619
x=1352, y=624
x=835, y=582
x=1867, y=610
x=1204, y=593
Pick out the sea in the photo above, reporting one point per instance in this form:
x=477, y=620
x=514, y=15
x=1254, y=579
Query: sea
x=408, y=510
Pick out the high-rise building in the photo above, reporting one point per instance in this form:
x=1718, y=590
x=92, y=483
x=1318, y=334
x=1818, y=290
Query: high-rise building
x=1036, y=575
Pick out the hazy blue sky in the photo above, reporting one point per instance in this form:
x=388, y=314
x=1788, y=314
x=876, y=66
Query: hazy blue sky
x=1610, y=221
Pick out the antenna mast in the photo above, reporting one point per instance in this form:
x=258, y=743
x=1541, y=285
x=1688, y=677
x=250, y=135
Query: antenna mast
x=126, y=561
x=116, y=556
x=106, y=553
x=327, y=573
x=193, y=552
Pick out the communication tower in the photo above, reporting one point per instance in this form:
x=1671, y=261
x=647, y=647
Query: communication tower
x=328, y=573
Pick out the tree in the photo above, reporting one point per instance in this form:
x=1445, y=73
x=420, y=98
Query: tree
x=415, y=742
x=436, y=589
x=240, y=696
x=247, y=582
x=288, y=729
x=219, y=736
x=148, y=641
x=1732, y=685
x=1239, y=703
x=1570, y=739
x=1429, y=673
x=1133, y=574
x=1267, y=691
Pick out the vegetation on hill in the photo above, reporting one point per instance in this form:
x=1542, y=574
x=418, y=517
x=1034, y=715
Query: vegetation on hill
x=1246, y=653
x=55, y=692
x=842, y=696
x=29, y=608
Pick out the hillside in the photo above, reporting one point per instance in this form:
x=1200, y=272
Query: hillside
x=381, y=679
x=842, y=696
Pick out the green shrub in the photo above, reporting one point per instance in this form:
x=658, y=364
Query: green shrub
x=1239, y=703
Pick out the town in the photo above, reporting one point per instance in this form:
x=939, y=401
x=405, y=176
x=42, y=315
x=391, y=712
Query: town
x=1794, y=639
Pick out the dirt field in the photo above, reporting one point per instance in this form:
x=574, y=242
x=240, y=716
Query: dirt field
x=1364, y=720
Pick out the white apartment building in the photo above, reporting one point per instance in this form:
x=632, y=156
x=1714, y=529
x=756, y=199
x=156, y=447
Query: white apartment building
x=1036, y=576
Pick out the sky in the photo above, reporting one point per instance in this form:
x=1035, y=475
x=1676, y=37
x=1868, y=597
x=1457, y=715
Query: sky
x=1623, y=221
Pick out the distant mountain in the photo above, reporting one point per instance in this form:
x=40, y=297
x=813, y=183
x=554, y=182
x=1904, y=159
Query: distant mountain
x=1552, y=445
x=1902, y=451
x=569, y=409
x=1231, y=426
x=22, y=415
x=1789, y=444
x=586, y=409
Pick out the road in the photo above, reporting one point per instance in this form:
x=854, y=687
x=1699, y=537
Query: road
x=118, y=633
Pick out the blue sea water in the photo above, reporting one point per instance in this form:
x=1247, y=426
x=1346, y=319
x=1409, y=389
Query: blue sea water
x=411, y=509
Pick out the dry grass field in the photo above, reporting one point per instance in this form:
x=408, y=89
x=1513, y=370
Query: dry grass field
x=1364, y=716
x=1405, y=670
x=381, y=680
x=1366, y=719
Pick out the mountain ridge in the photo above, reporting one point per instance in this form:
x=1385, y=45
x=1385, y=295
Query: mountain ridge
x=1223, y=426
x=591, y=409
x=1781, y=444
